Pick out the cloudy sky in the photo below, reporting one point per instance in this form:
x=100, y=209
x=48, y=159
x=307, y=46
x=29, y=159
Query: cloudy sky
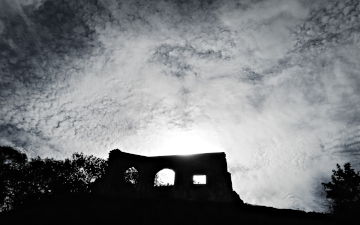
x=275, y=84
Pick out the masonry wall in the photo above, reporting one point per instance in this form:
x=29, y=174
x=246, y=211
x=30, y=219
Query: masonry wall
x=218, y=185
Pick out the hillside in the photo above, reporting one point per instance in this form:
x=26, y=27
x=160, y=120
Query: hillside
x=90, y=209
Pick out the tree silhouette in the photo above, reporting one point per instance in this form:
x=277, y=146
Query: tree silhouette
x=12, y=163
x=27, y=180
x=344, y=190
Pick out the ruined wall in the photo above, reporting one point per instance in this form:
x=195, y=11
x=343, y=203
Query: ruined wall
x=218, y=185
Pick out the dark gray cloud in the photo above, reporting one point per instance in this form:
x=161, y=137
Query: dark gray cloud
x=176, y=58
x=274, y=84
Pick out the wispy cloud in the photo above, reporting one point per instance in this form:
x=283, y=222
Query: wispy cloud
x=274, y=84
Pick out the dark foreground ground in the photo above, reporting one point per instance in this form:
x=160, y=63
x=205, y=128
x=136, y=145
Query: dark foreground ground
x=95, y=210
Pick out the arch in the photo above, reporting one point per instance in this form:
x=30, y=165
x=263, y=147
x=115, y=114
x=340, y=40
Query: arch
x=165, y=177
x=131, y=176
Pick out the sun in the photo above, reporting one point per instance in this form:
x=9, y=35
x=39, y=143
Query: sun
x=185, y=142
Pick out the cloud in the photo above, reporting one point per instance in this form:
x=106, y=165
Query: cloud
x=274, y=84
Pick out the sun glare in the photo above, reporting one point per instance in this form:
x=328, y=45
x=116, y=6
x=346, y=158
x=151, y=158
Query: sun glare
x=187, y=142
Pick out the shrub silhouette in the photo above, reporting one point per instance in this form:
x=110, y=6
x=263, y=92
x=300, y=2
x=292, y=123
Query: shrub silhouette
x=344, y=190
x=26, y=180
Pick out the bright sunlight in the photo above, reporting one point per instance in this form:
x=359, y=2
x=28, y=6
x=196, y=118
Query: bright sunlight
x=180, y=142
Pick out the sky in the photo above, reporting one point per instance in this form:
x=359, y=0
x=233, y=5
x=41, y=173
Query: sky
x=274, y=84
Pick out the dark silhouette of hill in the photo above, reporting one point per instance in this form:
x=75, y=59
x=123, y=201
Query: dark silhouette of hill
x=91, y=209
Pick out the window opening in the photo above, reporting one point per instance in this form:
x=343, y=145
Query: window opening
x=131, y=176
x=165, y=177
x=199, y=179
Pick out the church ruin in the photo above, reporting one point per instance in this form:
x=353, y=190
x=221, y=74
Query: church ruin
x=198, y=177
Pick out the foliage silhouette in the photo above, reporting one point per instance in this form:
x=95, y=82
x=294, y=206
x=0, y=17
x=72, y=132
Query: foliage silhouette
x=344, y=190
x=11, y=163
x=24, y=180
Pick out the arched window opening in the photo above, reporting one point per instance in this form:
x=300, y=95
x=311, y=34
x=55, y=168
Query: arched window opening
x=165, y=177
x=131, y=176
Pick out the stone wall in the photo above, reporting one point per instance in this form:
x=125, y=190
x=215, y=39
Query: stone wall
x=218, y=185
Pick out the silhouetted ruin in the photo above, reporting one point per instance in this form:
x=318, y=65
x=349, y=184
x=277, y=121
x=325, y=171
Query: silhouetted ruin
x=198, y=177
x=129, y=190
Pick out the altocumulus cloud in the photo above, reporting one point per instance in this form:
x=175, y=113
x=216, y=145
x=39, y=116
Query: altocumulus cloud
x=275, y=84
